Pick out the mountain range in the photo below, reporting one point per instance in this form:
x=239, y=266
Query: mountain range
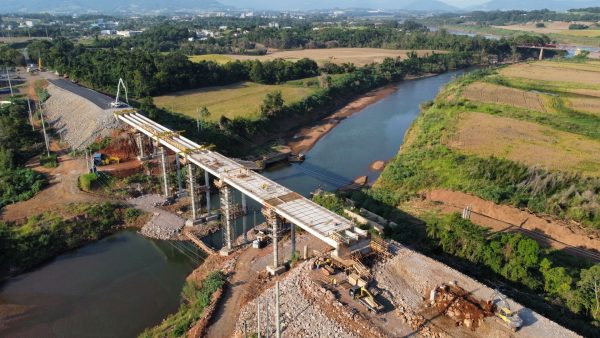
x=166, y=6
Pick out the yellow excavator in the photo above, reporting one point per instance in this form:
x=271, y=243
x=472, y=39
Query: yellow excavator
x=502, y=310
x=363, y=295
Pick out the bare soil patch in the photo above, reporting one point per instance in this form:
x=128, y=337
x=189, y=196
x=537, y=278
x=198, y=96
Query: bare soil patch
x=358, y=56
x=492, y=93
x=62, y=190
x=553, y=72
x=377, y=165
x=496, y=217
x=526, y=142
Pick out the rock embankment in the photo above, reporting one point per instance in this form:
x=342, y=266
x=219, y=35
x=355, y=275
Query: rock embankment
x=78, y=121
x=163, y=224
x=299, y=316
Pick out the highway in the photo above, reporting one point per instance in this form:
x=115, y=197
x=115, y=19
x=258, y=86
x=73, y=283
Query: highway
x=96, y=98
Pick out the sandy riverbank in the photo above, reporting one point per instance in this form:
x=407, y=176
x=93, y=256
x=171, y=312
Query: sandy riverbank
x=304, y=139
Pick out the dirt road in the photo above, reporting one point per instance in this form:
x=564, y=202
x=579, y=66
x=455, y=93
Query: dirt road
x=62, y=190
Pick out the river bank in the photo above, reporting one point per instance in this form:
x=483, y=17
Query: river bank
x=306, y=137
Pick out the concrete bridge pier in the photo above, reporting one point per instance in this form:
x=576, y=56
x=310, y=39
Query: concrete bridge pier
x=140, y=144
x=227, y=216
x=541, y=54
x=163, y=164
x=276, y=222
x=293, y=238
x=207, y=186
x=192, y=184
x=244, y=222
x=179, y=183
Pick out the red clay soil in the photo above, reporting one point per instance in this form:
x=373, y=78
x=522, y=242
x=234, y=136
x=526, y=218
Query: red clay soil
x=62, y=189
x=566, y=232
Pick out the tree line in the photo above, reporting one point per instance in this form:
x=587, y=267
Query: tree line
x=151, y=73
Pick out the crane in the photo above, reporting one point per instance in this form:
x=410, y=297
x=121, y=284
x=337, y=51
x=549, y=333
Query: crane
x=117, y=103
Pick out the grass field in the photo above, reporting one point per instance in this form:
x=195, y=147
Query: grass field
x=557, y=27
x=358, y=56
x=492, y=93
x=526, y=142
x=218, y=58
x=552, y=72
x=502, y=31
x=236, y=100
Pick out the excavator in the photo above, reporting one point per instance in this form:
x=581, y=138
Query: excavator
x=502, y=310
x=365, y=297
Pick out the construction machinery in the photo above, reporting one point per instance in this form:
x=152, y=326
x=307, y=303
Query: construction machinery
x=102, y=159
x=365, y=297
x=117, y=103
x=502, y=310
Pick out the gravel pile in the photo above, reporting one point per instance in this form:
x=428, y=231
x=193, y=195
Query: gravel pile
x=163, y=224
x=77, y=120
x=299, y=315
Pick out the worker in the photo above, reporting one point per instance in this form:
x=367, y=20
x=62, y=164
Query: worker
x=334, y=282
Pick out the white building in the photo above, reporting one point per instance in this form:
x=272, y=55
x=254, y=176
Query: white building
x=128, y=34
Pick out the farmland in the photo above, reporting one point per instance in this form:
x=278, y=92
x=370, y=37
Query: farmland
x=357, y=56
x=524, y=135
x=218, y=58
x=555, y=28
x=492, y=93
x=236, y=100
x=526, y=142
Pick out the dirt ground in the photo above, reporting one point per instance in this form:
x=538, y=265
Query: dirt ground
x=491, y=93
x=555, y=72
x=408, y=278
x=526, y=142
x=62, y=190
x=246, y=282
x=358, y=56
x=499, y=217
x=304, y=139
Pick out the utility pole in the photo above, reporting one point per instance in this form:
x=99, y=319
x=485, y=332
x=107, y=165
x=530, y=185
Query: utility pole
x=277, y=322
x=258, y=318
x=9, y=83
x=44, y=129
x=30, y=114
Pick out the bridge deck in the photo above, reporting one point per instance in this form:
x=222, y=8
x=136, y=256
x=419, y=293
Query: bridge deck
x=306, y=214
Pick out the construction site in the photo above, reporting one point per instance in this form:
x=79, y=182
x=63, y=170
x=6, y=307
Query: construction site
x=300, y=270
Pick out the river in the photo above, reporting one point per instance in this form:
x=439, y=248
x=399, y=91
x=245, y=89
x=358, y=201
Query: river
x=118, y=286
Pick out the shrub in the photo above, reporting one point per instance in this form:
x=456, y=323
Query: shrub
x=49, y=161
x=86, y=181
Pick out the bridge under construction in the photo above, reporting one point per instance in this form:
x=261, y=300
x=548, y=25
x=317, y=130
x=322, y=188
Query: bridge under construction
x=280, y=205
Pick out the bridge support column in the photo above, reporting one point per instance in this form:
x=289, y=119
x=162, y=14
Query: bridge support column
x=276, y=223
x=179, y=183
x=207, y=185
x=192, y=183
x=541, y=53
x=293, y=238
x=244, y=222
x=163, y=164
x=227, y=216
x=140, y=144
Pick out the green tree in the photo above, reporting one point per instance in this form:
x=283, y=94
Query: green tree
x=272, y=104
x=589, y=290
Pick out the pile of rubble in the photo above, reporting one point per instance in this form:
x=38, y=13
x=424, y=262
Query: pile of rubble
x=79, y=122
x=299, y=315
x=163, y=224
x=455, y=303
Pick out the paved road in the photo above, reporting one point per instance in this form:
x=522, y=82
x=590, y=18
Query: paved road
x=96, y=98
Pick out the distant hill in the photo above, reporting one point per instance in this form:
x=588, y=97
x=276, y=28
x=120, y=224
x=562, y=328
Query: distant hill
x=430, y=5
x=106, y=6
x=557, y=5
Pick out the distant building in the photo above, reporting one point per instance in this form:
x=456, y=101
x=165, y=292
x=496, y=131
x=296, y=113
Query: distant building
x=108, y=32
x=29, y=23
x=128, y=34
x=274, y=25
